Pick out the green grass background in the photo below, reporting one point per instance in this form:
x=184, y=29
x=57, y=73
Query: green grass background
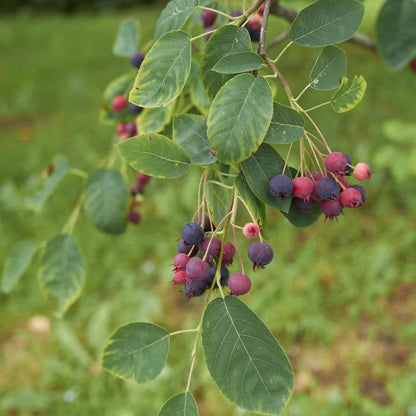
x=340, y=297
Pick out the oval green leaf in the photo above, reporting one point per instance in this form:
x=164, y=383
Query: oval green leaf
x=106, y=200
x=17, y=263
x=259, y=169
x=164, y=71
x=127, y=41
x=182, y=404
x=347, y=96
x=301, y=218
x=396, y=32
x=175, y=14
x=235, y=63
x=243, y=357
x=153, y=120
x=155, y=155
x=239, y=117
x=224, y=41
x=329, y=69
x=326, y=22
x=190, y=131
x=60, y=168
x=286, y=125
x=61, y=273
x=137, y=351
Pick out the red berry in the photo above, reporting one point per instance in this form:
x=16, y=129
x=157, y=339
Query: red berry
x=121, y=128
x=261, y=10
x=119, y=102
x=208, y=18
x=303, y=187
x=133, y=217
x=254, y=23
x=336, y=162
x=251, y=230
x=179, y=277
x=239, y=284
x=362, y=171
x=142, y=178
x=412, y=65
x=350, y=198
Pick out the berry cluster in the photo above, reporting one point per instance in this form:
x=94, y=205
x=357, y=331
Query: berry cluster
x=329, y=188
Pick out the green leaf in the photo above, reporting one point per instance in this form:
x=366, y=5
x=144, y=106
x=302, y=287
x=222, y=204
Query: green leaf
x=329, y=69
x=182, y=404
x=348, y=97
x=137, y=351
x=234, y=63
x=155, y=155
x=301, y=218
x=259, y=169
x=61, y=273
x=257, y=207
x=60, y=168
x=106, y=200
x=200, y=98
x=239, y=117
x=396, y=32
x=243, y=357
x=17, y=263
x=218, y=198
x=224, y=41
x=190, y=131
x=153, y=120
x=175, y=14
x=326, y=22
x=127, y=41
x=286, y=126
x=164, y=71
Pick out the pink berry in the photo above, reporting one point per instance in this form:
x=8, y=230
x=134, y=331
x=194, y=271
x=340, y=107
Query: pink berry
x=197, y=269
x=251, y=230
x=119, y=102
x=255, y=22
x=121, y=128
x=362, y=171
x=331, y=208
x=142, y=178
x=180, y=261
x=303, y=187
x=336, y=162
x=179, y=277
x=124, y=136
x=208, y=18
x=351, y=198
x=239, y=284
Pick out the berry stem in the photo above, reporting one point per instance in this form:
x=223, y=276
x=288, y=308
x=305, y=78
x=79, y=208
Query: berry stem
x=237, y=247
x=194, y=350
x=287, y=158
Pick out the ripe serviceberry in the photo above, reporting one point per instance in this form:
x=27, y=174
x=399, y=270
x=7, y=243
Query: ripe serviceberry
x=192, y=233
x=228, y=254
x=194, y=288
x=348, y=168
x=336, y=162
x=206, y=224
x=327, y=188
x=142, y=178
x=135, y=109
x=197, y=269
x=133, y=217
x=239, y=284
x=224, y=275
x=210, y=247
x=136, y=59
x=281, y=186
x=180, y=261
x=119, y=102
x=254, y=26
x=260, y=254
x=208, y=18
x=190, y=250
x=362, y=171
x=261, y=10
x=331, y=208
x=350, y=198
x=131, y=129
x=304, y=205
x=316, y=178
x=362, y=192
x=251, y=230
x=179, y=277
x=303, y=187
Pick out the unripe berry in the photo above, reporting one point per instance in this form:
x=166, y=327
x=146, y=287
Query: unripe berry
x=211, y=247
x=316, y=177
x=303, y=187
x=121, y=128
x=260, y=254
x=197, y=269
x=136, y=59
x=179, y=277
x=281, y=186
x=254, y=23
x=119, y=102
x=124, y=136
x=208, y=18
x=343, y=181
x=133, y=217
x=362, y=192
x=362, y=171
x=327, y=188
x=239, y=284
x=336, y=162
x=180, y=261
x=228, y=254
x=331, y=208
x=192, y=233
x=251, y=230
x=350, y=198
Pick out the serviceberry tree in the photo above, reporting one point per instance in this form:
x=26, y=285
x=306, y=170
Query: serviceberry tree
x=209, y=90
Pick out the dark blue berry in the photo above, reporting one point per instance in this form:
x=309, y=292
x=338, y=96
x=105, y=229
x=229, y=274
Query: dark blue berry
x=190, y=250
x=206, y=224
x=136, y=59
x=135, y=109
x=327, y=188
x=224, y=275
x=192, y=233
x=260, y=254
x=194, y=288
x=348, y=169
x=281, y=186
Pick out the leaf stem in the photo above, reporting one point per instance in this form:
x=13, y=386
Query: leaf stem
x=277, y=59
x=318, y=106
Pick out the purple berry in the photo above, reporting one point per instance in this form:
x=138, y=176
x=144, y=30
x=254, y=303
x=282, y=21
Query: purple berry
x=131, y=129
x=327, y=188
x=228, y=254
x=206, y=224
x=136, y=59
x=281, y=186
x=362, y=192
x=192, y=233
x=142, y=178
x=336, y=162
x=194, y=288
x=331, y=208
x=224, y=275
x=135, y=109
x=239, y=284
x=197, y=269
x=213, y=245
x=303, y=187
x=350, y=198
x=304, y=206
x=133, y=217
x=348, y=168
x=180, y=261
x=260, y=254
x=208, y=18
x=190, y=250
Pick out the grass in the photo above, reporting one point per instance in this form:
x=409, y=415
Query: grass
x=338, y=296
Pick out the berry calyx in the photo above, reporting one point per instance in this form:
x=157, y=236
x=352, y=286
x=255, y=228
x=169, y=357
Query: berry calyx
x=362, y=171
x=192, y=233
x=239, y=284
x=251, y=230
x=281, y=186
x=119, y=103
x=303, y=187
x=336, y=162
x=350, y=198
x=331, y=208
x=260, y=254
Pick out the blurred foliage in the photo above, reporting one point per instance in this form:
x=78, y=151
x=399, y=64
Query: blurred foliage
x=339, y=296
